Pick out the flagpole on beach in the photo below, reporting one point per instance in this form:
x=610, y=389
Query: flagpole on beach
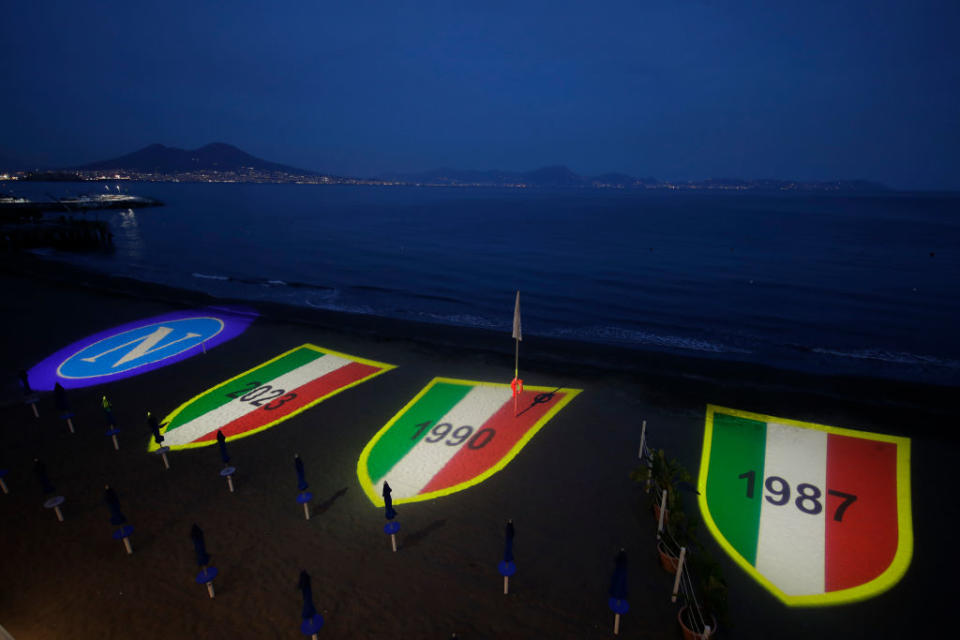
x=517, y=384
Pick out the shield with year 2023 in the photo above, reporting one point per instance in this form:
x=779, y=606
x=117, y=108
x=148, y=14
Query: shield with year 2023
x=265, y=396
x=453, y=435
x=818, y=515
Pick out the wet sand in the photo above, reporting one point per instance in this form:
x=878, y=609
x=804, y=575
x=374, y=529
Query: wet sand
x=568, y=491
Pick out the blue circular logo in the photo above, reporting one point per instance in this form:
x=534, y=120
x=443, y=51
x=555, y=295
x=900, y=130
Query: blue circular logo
x=138, y=347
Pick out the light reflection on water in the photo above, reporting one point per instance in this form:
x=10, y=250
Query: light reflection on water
x=129, y=242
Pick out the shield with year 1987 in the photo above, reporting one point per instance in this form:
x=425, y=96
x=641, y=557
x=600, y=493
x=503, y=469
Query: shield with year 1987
x=818, y=515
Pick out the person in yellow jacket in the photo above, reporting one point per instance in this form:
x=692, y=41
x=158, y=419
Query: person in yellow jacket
x=108, y=411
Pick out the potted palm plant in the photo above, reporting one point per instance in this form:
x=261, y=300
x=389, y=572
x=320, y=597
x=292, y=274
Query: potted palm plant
x=680, y=530
x=709, y=605
x=663, y=473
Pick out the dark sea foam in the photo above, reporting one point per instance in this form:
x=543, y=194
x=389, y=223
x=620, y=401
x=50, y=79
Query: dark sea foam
x=829, y=283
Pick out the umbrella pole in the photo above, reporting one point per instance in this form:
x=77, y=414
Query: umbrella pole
x=166, y=463
x=230, y=483
x=70, y=425
x=393, y=541
x=3, y=485
x=306, y=511
x=210, y=588
x=643, y=439
x=36, y=414
x=59, y=513
x=116, y=444
x=676, y=581
x=616, y=624
x=129, y=547
x=506, y=585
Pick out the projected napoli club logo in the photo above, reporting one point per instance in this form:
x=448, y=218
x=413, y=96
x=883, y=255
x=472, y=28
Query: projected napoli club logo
x=138, y=347
x=818, y=515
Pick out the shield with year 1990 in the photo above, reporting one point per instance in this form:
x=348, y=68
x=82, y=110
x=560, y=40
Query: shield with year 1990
x=818, y=515
x=452, y=435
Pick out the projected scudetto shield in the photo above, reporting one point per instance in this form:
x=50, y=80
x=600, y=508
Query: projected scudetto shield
x=818, y=515
x=265, y=395
x=452, y=435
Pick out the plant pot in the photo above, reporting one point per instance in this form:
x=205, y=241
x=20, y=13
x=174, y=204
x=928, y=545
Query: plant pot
x=656, y=513
x=667, y=561
x=687, y=625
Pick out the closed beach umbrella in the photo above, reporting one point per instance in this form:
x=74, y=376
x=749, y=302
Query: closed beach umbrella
x=389, y=511
x=392, y=525
x=63, y=405
x=199, y=547
x=207, y=573
x=301, y=478
x=154, y=428
x=60, y=397
x=25, y=382
x=113, y=503
x=312, y=621
x=618, y=590
x=508, y=545
x=222, y=441
x=308, y=609
x=29, y=396
x=40, y=470
x=618, y=581
x=508, y=567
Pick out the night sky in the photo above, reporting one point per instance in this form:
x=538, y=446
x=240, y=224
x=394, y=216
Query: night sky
x=673, y=89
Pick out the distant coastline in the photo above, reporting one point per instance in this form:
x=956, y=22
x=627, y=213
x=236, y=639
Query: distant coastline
x=224, y=163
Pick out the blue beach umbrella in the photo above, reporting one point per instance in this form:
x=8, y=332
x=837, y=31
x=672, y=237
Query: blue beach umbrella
x=25, y=382
x=301, y=478
x=388, y=511
x=29, y=397
x=618, y=589
x=312, y=621
x=60, y=397
x=508, y=544
x=113, y=503
x=40, y=470
x=222, y=441
x=63, y=405
x=392, y=526
x=207, y=573
x=507, y=567
x=304, y=497
x=618, y=581
x=199, y=547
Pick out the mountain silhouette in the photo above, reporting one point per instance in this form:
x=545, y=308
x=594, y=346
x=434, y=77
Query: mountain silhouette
x=217, y=156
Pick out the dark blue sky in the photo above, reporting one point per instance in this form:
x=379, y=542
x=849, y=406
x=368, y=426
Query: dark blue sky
x=675, y=89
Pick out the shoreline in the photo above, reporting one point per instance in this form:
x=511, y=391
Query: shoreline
x=653, y=368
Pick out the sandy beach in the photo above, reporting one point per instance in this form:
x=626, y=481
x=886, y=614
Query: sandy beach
x=568, y=490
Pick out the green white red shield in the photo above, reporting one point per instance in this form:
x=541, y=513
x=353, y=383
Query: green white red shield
x=817, y=514
x=452, y=435
x=265, y=396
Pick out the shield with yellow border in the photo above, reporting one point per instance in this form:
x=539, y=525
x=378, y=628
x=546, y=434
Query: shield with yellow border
x=818, y=515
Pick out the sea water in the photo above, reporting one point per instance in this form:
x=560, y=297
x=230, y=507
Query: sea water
x=847, y=284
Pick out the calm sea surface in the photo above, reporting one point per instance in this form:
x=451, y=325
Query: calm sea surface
x=834, y=284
